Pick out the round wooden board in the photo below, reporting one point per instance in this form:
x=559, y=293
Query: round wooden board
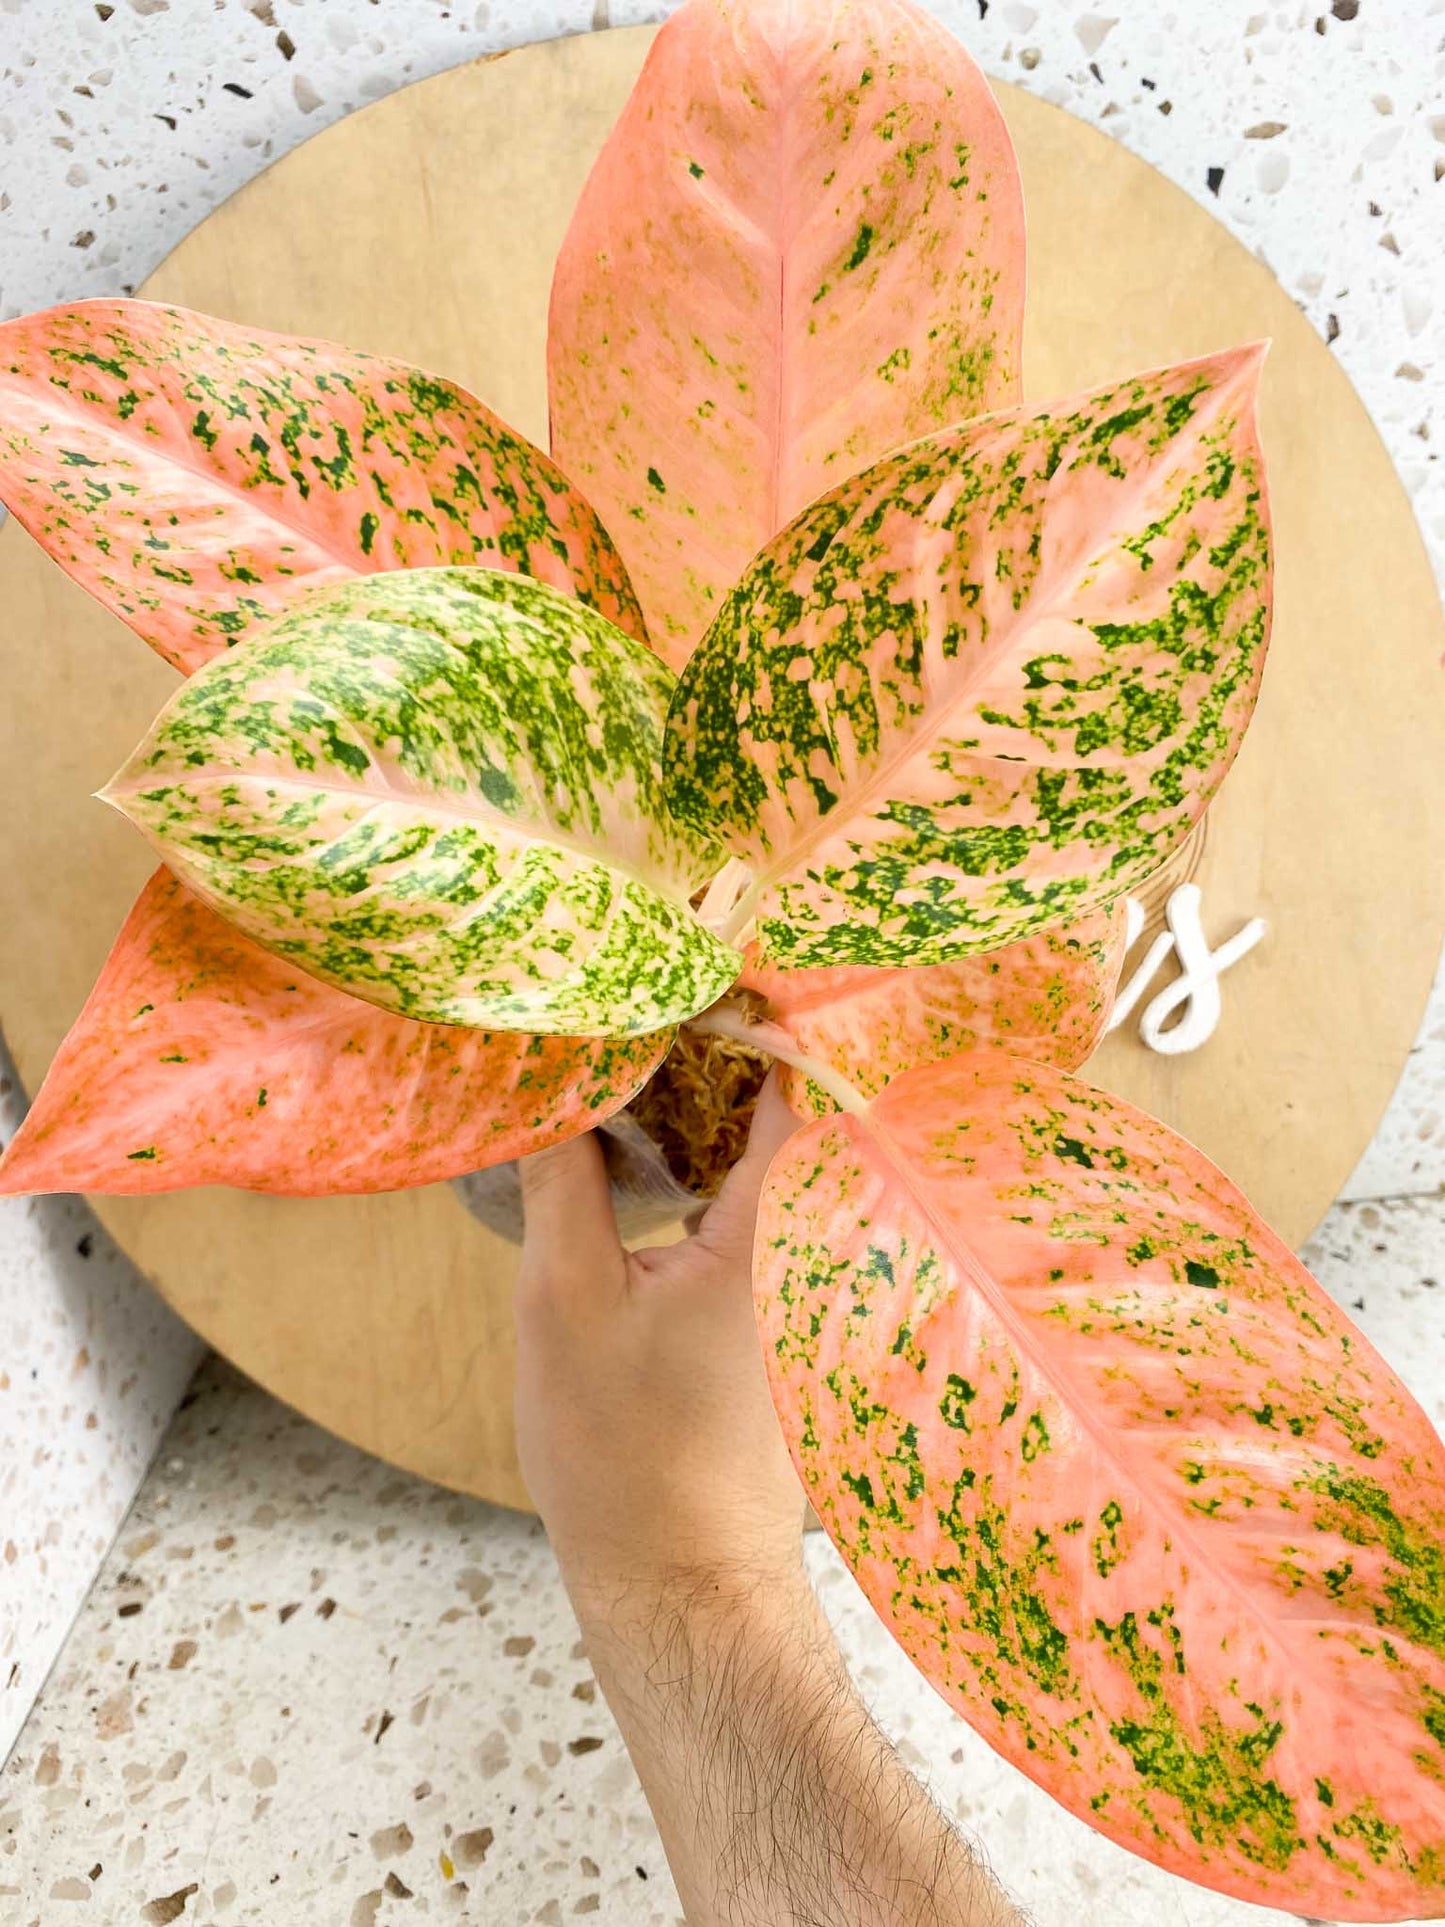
x=426, y=227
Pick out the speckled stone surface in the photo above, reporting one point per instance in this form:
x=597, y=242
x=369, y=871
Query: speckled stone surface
x=311, y=1692
x=91, y=1367
x=1315, y=132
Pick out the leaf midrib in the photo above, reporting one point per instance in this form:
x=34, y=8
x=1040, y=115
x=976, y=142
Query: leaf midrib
x=90, y=417
x=1177, y=1524
x=784, y=183
x=481, y=812
x=855, y=797
x=781, y=236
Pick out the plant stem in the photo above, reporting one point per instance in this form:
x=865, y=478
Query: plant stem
x=727, y=886
x=726, y=1020
x=740, y=911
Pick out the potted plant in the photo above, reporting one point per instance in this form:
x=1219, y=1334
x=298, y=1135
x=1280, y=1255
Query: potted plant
x=819, y=703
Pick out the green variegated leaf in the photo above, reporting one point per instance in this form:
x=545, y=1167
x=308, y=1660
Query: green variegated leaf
x=192, y=474
x=988, y=684
x=438, y=789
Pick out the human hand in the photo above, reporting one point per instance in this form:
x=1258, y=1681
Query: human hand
x=649, y=1444
x=647, y=1437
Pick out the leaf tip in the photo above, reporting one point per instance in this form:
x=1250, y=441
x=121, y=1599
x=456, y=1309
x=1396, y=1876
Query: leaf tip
x=1242, y=367
x=18, y=1174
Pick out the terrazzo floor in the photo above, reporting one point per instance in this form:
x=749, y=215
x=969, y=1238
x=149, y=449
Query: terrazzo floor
x=312, y=1692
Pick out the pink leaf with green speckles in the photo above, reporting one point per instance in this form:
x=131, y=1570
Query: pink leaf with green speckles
x=192, y=474
x=1123, y=1481
x=990, y=683
x=1047, y=998
x=802, y=245
x=201, y=1059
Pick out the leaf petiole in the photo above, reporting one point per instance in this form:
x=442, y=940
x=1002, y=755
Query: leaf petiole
x=727, y=1020
x=728, y=888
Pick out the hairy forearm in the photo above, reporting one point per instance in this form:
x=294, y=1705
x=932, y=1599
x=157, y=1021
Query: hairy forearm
x=778, y=1800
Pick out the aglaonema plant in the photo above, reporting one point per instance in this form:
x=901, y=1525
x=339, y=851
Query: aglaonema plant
x=465, y=841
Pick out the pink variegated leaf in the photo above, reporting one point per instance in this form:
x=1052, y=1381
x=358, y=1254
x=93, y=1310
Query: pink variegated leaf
x=802, y=245
x=1123, y=1481
x=1046, y=998
x=989, y=684
x=192, y=474
x=199, y=1058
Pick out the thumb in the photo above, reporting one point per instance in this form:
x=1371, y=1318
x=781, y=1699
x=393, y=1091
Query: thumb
x=570, y=1247
x=731, y=1221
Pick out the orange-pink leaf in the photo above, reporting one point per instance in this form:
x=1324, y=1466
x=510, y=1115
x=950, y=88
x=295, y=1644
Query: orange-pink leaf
x=192, y=474
x=989, y=684
x=199, y=1058
x=802, y=245
x=1123, y=1481
x=1047, y=998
